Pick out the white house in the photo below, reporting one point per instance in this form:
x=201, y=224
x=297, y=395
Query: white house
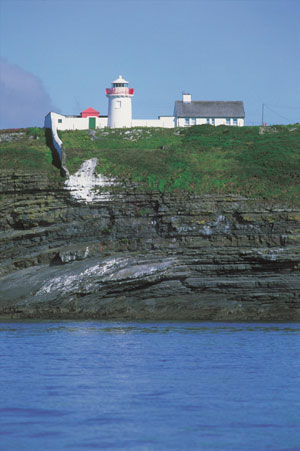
x=186, y=113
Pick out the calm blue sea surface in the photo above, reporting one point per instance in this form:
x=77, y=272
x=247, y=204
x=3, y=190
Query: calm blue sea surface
x=149, y=386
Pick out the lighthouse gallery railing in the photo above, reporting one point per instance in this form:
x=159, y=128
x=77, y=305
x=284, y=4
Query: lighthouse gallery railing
x=121, y=91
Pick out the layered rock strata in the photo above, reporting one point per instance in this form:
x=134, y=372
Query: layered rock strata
x=130, y=254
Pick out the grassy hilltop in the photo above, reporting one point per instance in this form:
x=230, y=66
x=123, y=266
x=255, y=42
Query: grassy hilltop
x=254, y=161
x=26, y=150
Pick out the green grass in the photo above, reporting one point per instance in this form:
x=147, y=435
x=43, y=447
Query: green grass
x=28, y=152
x=200, y=159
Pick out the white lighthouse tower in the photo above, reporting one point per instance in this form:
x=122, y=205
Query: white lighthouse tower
x=119, y=104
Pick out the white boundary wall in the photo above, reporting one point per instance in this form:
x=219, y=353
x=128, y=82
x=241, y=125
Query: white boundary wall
x=162, y=121
x=50, y=122
x=61, y=122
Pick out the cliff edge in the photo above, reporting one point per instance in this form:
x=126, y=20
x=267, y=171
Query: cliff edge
x=97, y=247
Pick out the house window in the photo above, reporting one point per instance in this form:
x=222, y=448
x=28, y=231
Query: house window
x=187, y=121
x=212, y=121
x=227, y=120
x=193, y=121
x=207, y=120
x=59, y=121
x=234, y=121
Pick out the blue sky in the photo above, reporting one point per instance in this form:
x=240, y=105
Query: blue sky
x=61, y=55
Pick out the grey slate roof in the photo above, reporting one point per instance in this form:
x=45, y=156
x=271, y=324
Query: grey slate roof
x=209, y=109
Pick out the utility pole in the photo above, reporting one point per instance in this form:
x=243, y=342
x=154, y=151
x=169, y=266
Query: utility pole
x=262, y=114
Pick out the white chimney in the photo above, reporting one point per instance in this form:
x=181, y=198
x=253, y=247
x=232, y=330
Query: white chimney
x=187, y=98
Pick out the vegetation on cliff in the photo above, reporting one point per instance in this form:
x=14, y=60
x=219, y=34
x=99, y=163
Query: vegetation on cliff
x=261, y=162
x=258, y=161
x=26, y=150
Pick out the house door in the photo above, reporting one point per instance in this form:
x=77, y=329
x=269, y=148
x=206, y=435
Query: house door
x=92, y=122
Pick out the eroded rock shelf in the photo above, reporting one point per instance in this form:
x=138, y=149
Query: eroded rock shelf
x=130, y=254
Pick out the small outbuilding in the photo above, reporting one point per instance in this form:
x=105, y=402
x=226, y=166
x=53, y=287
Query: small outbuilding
x=90, y=112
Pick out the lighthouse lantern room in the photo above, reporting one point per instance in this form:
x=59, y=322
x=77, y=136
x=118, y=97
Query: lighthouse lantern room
x=119, y=104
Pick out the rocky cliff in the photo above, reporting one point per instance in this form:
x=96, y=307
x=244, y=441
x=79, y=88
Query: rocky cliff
x=124, y=253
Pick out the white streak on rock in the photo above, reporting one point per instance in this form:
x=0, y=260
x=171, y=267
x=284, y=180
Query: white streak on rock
x=272, y=255
x=221, y=225
x=84, y=184
x=206, y=230
x=66, y=282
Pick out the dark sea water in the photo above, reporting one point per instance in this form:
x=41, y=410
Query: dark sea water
x=149, y=386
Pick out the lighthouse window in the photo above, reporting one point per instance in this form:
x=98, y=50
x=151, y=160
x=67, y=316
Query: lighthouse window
x=118, y=104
